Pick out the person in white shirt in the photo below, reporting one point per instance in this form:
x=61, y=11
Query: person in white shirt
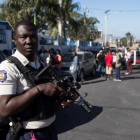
x=44, y=57
x=129, y=62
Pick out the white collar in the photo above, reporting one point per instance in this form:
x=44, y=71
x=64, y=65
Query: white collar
x=21, y=58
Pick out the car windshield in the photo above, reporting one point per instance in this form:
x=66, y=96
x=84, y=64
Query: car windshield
x=69, y=57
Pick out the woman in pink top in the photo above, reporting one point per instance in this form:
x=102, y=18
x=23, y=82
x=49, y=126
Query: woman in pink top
x=58, y=62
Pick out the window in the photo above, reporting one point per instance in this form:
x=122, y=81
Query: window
x=67, y=58
x=2, y=36
x=90, y=55
x=86, y=57
x=80, y=57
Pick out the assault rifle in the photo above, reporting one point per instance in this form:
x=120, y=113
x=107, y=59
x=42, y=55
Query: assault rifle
x=68, y=86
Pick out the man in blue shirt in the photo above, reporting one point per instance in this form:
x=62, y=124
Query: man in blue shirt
x=76, y=66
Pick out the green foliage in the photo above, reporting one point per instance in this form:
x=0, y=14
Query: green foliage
x=46, y=13
x=125, y=39
x=34, y=10
x=78, y=29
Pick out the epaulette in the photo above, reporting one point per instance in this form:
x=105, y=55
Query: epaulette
x=8, y=60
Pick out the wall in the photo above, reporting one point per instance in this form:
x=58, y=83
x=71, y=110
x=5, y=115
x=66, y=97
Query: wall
x=8, y=44
x=65, y=49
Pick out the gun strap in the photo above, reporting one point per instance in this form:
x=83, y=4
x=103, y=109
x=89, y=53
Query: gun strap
x=23, y=69
x=19, y=65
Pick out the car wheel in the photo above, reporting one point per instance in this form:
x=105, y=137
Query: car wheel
x=93, y=71
x=81, y=75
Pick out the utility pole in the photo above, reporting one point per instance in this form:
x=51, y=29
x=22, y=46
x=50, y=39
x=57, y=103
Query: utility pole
x=84, y=28
x=106, y=26
x=60, y=26
x=118, y=42
x=94, y=36
x=110, y=41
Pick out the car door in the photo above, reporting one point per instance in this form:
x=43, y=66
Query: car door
x=86, y=63
x=90, y=61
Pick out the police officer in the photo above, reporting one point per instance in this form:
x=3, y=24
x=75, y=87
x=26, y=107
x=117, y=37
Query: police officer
x=16, y=93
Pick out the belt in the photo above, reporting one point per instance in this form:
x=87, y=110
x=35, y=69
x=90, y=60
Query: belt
x=36, y=130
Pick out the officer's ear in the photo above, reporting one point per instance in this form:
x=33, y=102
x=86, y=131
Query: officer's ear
x=14, y=40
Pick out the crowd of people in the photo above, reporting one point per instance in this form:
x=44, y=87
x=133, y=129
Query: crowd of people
x=54, y=58
x=51, y=57
x=106, y=61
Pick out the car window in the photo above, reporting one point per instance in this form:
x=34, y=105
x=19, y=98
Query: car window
x=90, y=55
x=80, y=56
x=86, y=57
x=67, y=58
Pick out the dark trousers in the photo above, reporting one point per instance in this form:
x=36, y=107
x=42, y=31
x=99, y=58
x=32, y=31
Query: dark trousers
x=3, y=132
x=40, y=134
x=129, y=65
x=117, y=72
x=58, y=70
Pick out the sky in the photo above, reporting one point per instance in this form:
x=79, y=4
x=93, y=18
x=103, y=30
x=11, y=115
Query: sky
x=123, y=17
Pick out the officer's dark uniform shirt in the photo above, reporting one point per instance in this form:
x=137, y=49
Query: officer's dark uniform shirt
x=13, y=82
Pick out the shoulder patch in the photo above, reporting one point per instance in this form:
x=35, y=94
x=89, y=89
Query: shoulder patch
x=3, y=76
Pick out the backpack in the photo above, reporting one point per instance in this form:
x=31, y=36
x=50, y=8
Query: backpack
x=52, y=60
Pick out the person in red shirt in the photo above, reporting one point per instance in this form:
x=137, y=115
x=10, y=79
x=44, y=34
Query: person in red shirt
x=108, y=59
x=58, y=62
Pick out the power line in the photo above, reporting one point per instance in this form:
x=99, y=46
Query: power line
x=91, y=10
x=115, y=10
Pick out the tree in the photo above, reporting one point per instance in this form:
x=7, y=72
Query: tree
x=128, y=35
x=77, y=31
x=34, y=10
x=130, y=38
x=124, y=41
x=45, y=14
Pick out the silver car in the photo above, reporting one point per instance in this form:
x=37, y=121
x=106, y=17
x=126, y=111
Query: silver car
x=87, y=64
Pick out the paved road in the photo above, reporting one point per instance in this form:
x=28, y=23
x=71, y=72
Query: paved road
x=116, y=111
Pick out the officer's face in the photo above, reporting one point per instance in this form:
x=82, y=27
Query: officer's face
x=26, y=40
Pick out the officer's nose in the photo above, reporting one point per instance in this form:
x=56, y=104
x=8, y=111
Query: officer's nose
x=28, y=40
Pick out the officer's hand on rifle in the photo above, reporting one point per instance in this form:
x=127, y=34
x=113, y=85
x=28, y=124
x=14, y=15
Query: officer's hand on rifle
x=50, y=89
x=66, y=104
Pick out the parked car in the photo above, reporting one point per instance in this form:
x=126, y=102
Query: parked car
x=87, y=64
x=2, y=57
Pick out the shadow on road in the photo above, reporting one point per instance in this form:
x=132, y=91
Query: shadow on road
x=91, y=82
x=75, y=116
x=129, y=78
